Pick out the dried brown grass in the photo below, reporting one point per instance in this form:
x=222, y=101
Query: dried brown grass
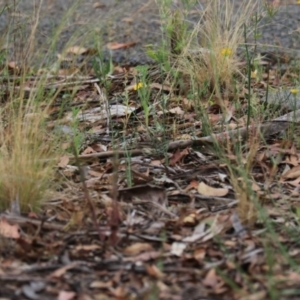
x=26, y=155
x=210, y=55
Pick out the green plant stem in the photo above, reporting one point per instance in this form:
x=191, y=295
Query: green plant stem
x=249, y=78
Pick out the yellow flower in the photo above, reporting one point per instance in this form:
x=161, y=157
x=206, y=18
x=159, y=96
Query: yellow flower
x=298, y=1
x=138, y=86
x=227, y=51
x=294, y=91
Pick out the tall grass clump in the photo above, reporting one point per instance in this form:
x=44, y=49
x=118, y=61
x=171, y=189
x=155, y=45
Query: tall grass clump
x=27, y=152
x=27, y=147
x=26, y=155
x=210, y=55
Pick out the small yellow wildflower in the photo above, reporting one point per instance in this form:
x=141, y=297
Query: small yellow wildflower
x=138, y=86
x=298, y=1
x=294, y=91
x=227, y=51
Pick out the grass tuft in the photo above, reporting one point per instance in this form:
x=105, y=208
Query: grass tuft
x=211, y=52
x=26, y=155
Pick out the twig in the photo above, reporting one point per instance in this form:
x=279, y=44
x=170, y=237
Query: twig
x=114, y=220
x=157, y=205
x=24, y=220
x=66, y=84
x=266, y=130
x=86, y=194
x=106, y=105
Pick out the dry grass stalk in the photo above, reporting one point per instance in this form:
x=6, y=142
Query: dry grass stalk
x=247, y=206
x=211, y=52
x=24, y=175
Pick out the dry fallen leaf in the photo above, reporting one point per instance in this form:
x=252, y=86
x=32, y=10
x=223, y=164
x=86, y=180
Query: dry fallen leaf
x=97, y=284
x=178, y=248
x=77, y=50
x=116, y=46
x=137, y=248
x=86, y=248
x=199, y=254
x=145, y=193
x=66, y=295
x=256, y=296
x=211, y=279
x=154, y=271
x=158, y=86
x=61, y=271
x=177, y=156
x=63, y=162
x=12, y=65
x=190, y=219
x=207, y=190
x=292, y=173
x=7, y=230
x=98, y=5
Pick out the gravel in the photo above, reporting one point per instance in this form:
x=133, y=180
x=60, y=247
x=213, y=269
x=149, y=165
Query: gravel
x=96, y=23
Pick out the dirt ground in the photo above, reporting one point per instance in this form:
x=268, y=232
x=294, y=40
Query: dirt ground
x=121, y=21
x=170, y=229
